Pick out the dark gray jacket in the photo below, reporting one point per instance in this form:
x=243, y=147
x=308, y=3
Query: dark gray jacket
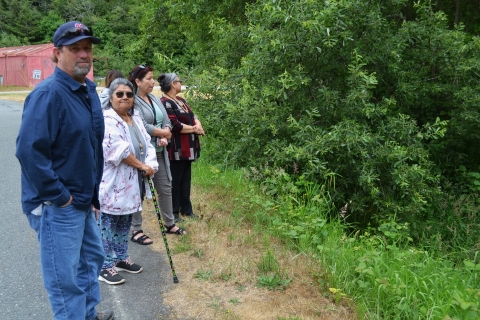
x=148, y=117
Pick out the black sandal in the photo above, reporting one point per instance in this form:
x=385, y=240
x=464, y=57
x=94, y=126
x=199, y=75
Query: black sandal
x=179, y=231
x=141, y=240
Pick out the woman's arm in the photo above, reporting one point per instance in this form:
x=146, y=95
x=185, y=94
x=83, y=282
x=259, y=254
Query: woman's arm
x=198, y=124
x=166, y=132
x=140, y=107
x=177, y=126
x=150, y=155
x=189, y=129
x=197, y=127
x=163, y=133
x=116, y=145
x=134, y=162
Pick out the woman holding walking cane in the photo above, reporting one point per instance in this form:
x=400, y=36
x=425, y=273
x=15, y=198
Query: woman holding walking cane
x=128, y=157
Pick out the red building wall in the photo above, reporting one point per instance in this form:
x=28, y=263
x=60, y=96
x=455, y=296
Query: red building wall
x=27, y=66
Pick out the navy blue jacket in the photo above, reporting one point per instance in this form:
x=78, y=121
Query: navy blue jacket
x=59, y=145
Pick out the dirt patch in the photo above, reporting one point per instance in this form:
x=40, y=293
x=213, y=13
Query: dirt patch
x=218, y=268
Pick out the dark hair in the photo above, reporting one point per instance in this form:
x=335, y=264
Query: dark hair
x=165, y=81
x=112, y=75
x=139, y=72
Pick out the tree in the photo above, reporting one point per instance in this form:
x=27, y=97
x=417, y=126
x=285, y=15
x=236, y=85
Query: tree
x=351, y=92
x=81, y=10
x=21, y=19
x=8, y=40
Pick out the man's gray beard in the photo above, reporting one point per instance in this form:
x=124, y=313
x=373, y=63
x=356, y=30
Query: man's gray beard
x=81, y=72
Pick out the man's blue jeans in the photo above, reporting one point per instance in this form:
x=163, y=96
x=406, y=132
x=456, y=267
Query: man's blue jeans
x=71, y=256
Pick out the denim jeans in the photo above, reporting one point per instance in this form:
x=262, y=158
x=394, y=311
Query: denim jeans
x=71, y=256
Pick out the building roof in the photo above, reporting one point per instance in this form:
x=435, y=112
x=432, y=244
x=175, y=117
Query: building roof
x=24, y=51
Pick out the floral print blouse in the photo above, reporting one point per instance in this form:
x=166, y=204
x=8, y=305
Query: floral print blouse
x=120, y=193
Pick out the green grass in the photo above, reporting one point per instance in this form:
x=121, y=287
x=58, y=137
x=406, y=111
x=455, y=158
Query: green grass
x=203, y=275
x=385, y=276
x=184, y=245
x=268, y=263
x=273, y=281
x=13, y=88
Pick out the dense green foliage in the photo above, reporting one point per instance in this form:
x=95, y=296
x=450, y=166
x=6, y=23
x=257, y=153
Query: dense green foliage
x=381, y=110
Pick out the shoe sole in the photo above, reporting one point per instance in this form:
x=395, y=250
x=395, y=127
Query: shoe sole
x=110, y=317
x=129, y=271
x=100, y=278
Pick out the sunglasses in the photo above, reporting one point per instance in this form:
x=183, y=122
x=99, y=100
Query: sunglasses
x=120, y=94
x=178, y=81
x=140, y=68
x=75, y=31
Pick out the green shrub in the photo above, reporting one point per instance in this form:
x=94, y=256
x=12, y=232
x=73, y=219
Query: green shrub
x=379, y=111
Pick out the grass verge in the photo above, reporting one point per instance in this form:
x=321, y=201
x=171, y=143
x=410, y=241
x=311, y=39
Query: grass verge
x=13, y=88
x=230, y=267
x=13, y=96
x=284, y=258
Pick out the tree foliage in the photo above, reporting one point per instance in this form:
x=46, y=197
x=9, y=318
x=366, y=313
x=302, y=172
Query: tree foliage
x=380, y=109
x=376, y=100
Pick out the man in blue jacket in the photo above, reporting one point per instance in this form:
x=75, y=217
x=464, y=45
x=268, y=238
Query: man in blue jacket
x=59, y=147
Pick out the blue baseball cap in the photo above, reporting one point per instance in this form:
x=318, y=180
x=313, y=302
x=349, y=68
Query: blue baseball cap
x=71, y=32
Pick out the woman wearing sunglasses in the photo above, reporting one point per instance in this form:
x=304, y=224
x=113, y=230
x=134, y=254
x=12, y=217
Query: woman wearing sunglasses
x=127, y=154
x=158, y=126
x=184, y=147
x=111, y=75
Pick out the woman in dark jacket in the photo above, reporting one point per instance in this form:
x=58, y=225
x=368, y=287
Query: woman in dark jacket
x=184, y=147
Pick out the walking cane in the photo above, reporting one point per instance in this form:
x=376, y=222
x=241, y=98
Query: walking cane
x=162, y=228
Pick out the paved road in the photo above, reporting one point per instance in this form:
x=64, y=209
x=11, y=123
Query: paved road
x=22, y=295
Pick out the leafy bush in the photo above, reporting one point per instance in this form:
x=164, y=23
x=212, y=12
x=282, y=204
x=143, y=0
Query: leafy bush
x=380, y=111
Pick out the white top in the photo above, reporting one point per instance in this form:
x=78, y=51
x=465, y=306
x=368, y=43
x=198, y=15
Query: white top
x=119, y=190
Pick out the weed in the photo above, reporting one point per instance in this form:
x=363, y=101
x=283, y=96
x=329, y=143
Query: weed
x=184, y=245
x=197, y=253
x=273, y=281
x=215, y=303
x=247, y=265
x=266, y=241
x=231, y=237
x=337, y=294
x=268, y=263
x=234, y=301
x=226, y=275
x=240, y=288
x=203, y=275
x=250, y=240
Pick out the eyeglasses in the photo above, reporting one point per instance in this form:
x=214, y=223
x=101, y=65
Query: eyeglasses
x=120, y=94
x=75, y=31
